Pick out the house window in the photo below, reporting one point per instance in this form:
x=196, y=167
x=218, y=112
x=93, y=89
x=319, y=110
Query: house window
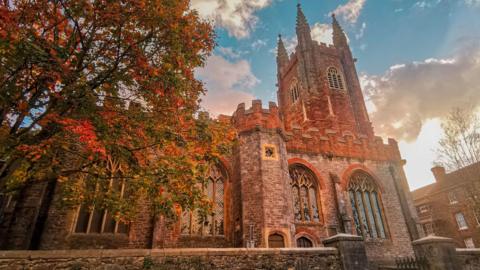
x=461, y=222
x=95, y=219
x=452, y=197
x=304, y=242
x=469, y=243
x=428, y=229
x=335, y=80
x=197, y=222
x=294, y=93
x=275, y=241
x=366, y=206
x=304, y=193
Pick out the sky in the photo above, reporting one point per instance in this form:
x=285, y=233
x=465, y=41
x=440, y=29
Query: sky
x=416, y=61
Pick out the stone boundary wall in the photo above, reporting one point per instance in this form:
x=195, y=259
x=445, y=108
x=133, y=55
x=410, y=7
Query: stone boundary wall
x=469, y=258
x=177, y=259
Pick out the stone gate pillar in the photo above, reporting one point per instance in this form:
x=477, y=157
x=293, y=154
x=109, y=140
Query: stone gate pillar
x=353, y=255
x=440, y=252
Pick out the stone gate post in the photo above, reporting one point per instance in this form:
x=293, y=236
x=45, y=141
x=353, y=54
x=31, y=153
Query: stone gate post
x=351, y=249
x=440, y=252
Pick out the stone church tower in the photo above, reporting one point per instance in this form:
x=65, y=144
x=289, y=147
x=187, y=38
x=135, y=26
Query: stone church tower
x=312, y=167
x=302, y=171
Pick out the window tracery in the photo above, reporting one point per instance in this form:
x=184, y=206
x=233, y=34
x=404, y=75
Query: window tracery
x=366, y=206
x=304, y=195
x=196, y=222
x=96, y=219
x=335, y=80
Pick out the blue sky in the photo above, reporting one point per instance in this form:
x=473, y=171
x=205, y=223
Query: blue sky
x=416, y=60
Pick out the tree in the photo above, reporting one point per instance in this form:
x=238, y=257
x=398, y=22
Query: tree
x=459, y=150
x=460, y=143
x=96, y=91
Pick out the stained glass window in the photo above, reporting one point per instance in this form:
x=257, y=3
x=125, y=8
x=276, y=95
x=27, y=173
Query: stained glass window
x=94, y=219
x=304, y=194
x=366, y=206
x=197, y=223
x=335, y=80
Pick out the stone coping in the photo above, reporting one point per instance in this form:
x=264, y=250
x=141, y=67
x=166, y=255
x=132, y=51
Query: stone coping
x=468, y=251
x=96, y=253
x=432, y=239
x=342, y=237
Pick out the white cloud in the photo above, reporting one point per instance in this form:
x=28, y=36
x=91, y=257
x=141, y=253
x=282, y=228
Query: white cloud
x=350, y=11
x=229, y=52
x=361, y=32
x=259, y=43
x=427, y=4
x=322, y=33
x=226, y=83
x=236, y=16
x=408, y=95
x=473, y=3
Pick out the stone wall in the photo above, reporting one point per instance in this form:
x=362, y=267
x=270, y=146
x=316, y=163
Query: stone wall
x=469, y=258
x=398, y=243
x=232, y=259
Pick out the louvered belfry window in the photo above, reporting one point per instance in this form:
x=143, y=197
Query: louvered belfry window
x=304, y=193
x=335, y=80
x=366, y=206
x=193, y=222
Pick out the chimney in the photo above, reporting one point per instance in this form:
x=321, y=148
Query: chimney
x=439, y=173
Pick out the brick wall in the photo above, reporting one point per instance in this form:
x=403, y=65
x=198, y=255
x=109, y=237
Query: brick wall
x=398, y=244
x=181, y=259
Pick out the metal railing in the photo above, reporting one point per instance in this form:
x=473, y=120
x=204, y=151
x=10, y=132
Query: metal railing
x=412, y=263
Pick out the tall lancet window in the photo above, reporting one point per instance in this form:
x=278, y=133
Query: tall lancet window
x=304, y=194
x=366, y=206
x=194, y=223
x=294, y=94
x=335, y=80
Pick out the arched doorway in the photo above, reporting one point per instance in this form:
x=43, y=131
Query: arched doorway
x=304, y=242
x=276, y=241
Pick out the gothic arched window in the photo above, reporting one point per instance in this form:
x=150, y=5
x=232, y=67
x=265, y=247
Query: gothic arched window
x=335, y=80
x=366, y=206
x=294, y=92
x=195, y=222
x=95, y=218
x=304, y=190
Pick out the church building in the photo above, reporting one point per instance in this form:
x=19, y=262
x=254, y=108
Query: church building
x=301, y=172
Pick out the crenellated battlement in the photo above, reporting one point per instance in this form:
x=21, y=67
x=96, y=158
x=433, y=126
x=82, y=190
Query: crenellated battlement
x=333, y=143
x=256, y=116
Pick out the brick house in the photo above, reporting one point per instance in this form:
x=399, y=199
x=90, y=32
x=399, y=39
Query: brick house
x=302, y=171
x=447, y=207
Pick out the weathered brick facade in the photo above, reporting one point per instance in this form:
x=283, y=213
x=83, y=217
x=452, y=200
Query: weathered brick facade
x=452, y=194
x=321, y=124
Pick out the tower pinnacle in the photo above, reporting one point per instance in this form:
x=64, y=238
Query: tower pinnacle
x=339, y=37
x=303, y=29
x=282, y=55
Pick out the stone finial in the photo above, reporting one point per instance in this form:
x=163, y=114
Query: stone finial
x=282, y=55
x=339, y=37
x=304, y=36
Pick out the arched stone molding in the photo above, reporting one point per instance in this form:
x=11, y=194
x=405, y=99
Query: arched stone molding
x=308, y=165
x=347, y=174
